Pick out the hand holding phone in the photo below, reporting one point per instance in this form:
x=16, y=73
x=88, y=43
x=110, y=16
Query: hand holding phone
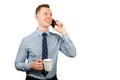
x=60, y=27
x=53, y=23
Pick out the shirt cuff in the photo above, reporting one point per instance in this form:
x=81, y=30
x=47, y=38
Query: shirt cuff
x=27, y=65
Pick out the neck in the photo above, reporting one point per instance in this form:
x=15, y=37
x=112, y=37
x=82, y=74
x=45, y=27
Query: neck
x=43, y=29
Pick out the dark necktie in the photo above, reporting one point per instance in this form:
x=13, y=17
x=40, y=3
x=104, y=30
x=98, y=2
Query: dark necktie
x=44, y=46
x=44, y=51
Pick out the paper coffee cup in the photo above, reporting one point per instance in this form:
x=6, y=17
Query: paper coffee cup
x=47, y=63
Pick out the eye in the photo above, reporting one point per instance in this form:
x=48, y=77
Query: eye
x=45, y=13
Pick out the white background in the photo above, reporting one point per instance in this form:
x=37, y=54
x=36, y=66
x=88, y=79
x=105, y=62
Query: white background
x=93, y=26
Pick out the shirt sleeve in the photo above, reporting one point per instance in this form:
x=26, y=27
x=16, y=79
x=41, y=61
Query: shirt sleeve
x=67, y=46
x=21, y=58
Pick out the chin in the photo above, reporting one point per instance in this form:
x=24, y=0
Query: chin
x=47, y=26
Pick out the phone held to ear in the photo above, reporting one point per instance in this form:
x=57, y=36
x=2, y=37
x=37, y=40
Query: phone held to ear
x=53, y=23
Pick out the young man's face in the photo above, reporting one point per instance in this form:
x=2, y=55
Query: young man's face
x=44, y=17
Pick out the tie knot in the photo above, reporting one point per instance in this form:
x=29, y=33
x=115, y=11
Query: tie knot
x=44, y=34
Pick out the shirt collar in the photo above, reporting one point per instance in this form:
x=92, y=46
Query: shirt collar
x=39, y=32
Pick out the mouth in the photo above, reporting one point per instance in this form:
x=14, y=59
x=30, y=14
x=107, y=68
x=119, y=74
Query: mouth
x=48, y=21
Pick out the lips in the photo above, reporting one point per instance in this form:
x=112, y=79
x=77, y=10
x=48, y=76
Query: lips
x=48, y=20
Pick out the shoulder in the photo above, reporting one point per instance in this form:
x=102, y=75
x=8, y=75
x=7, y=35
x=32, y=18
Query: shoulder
x=55, y=34
x=30, y=37
x=55, y=37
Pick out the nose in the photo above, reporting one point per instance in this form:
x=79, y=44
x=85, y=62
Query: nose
x=50, y=17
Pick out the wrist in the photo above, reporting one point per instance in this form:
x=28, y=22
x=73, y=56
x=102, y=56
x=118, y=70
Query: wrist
x=64, y=33
x=31, y=65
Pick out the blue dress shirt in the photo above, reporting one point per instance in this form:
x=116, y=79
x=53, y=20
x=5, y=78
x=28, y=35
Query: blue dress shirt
x=31, y=49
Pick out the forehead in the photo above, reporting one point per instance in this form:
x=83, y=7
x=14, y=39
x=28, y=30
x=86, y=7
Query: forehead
x=44, y=9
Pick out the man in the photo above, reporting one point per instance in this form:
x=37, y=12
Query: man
x=31, y=47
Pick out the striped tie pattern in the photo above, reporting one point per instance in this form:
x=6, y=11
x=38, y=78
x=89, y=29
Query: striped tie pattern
x=44, y=46
x=44, y=51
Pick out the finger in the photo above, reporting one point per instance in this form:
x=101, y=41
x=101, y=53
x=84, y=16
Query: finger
x=38, y=60
x=39, y=63
x=39, y=66
x=39, y=69
x=58, y=22
x=55, y=28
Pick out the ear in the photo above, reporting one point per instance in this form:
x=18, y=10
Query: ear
x=36, y=16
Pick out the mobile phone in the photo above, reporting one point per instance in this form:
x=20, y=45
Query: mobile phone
x=53, y=23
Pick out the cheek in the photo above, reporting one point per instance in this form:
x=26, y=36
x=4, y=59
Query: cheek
x=38, y=17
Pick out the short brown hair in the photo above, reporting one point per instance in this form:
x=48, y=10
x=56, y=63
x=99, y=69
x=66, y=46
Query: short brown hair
x=40, y=6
